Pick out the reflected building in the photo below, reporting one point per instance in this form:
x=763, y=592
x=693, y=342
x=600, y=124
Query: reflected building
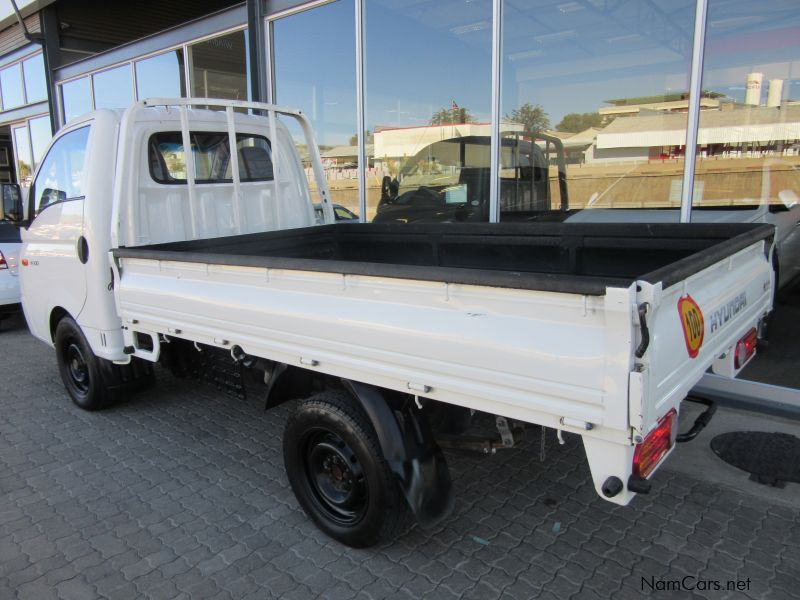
x=429, y=99
x=734, y=131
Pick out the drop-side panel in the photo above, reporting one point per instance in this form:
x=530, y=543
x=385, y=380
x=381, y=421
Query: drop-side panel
x=694, y=322
x=537, y=356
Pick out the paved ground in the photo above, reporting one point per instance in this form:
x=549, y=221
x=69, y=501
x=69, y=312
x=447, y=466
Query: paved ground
x=181, y=493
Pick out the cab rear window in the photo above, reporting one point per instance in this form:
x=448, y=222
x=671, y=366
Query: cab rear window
x=211, y=157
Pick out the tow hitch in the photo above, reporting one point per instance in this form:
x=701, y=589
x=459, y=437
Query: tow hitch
x=701, y=421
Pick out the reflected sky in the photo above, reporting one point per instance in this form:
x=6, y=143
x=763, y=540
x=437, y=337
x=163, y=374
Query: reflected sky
x=319, y=80
x=573, y=56
x=421, y=57
x=744, y=37
x=11, y=84
x=77, y=98
x=113, y=88
x=161, y=76
x=35, y=82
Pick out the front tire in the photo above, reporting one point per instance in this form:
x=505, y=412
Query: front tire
x=336, y=468
x=80, y=369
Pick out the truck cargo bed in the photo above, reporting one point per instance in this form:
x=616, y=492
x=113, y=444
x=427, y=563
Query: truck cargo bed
x=570, y=258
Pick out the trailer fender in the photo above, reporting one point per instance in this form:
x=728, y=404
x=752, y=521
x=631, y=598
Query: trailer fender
x=411, y=453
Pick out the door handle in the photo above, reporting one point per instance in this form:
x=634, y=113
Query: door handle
x=83, y=250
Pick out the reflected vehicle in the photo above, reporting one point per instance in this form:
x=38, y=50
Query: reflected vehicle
x=340, y=213
x=778, y=205
x=449, y=180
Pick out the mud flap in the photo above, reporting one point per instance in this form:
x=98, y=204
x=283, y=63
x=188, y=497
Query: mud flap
x=411, y=453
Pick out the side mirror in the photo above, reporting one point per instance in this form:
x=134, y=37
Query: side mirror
x=52, y=196
x=11, y=206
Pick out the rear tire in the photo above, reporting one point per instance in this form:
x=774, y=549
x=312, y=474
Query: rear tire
x=336, y=468
x=80, y=369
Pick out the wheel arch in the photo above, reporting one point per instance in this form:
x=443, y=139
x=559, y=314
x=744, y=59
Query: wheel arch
x=56, y=315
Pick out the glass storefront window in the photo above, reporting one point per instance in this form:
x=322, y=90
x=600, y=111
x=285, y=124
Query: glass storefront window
x=35, y=80
x=77, y=98
x=22, y=150
x=161, y=76
x=40, y=137
x=30, y=142
x=219, y=67
x=324, y=89
x=747, y=165
x=602, y=89
x=428, y=110
x=11, y=85
x=113, y=88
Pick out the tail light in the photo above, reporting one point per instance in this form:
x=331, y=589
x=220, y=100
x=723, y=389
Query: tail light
x=745, y=348
x=656, y=445
x=3, y=263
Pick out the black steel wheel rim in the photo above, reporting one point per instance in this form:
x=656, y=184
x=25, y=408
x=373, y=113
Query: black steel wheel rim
x=335, y=477
x=77, y=369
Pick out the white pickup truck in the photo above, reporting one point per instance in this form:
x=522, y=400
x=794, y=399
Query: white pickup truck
x=211, y=262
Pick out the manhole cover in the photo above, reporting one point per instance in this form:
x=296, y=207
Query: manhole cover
x=770, y=458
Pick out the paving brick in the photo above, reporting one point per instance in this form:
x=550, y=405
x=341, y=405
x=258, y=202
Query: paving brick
x=108, y=544
x=184, y=492
x=75, y=589
x=38, y=589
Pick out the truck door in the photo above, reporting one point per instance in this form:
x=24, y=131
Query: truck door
x=54, y=252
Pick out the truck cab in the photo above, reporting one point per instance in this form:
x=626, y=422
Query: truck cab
x=68, y=237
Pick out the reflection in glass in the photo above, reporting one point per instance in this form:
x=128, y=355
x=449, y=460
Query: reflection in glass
x=35, y=80
x=219, y=67
x=161, y=76
x=61, y=176
x=22, y=147
x=11, y=85
x=610, y=83
x=428, y=110
x=40, y=137
x=113, y=88
x=747, y=165
x=77, y=98
x=324, y=89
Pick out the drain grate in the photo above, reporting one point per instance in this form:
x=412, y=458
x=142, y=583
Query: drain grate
x=770, y=458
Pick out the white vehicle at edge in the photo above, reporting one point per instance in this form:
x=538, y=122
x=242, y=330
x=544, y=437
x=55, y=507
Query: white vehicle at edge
x=10, y=245
x=374, y=326
x=783, y=213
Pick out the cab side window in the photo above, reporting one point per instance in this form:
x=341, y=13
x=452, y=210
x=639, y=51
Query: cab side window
x=60, y=177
